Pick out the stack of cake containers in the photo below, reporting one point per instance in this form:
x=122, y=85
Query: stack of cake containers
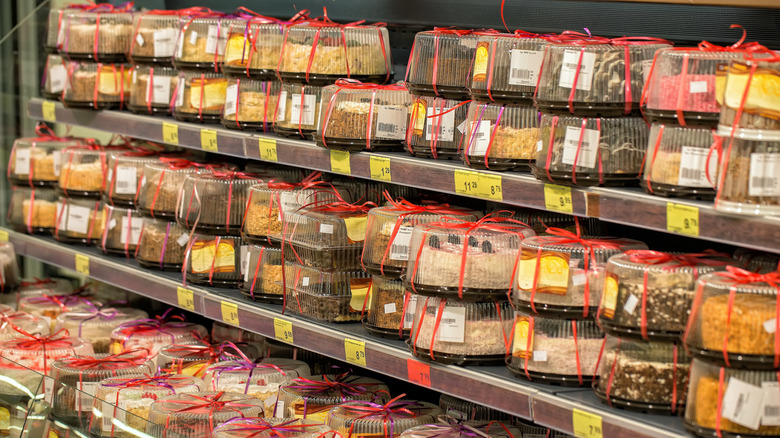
x=383, y=420
x=55, y=74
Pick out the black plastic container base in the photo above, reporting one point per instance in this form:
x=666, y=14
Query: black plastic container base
x=454, y=359
x=692, y=119
x=173, y=267
x=294, y=133
x=499, y=97
x=498, y=164
x=157, y=214
x=424, y=152
x=114, y=58
x=586, y=180
x=162, y=61
x=447, y=92
x=261, y=297
x=549, y=379
x=549, y=310
x=241, y=73
x=264, y=241
x=204, y=281
x=40, y=231
x=321, y=79
x=585, y=109
x=92, y=105
x=385, y=332
x=469, y=294
x=387, y=272
x=118, y=252
x=51, y=96
x=68, y=193
x=636, y=406
x=358, y=145
x=636, y=332
x=155, y=110
x=704, y=432
x=121, y=203
x=195, y=118
x=76, y=241
x=212, y=229
x=206, y=67
x=247, y=126
x=736, y=360
x=24, y=182
x=672, y=191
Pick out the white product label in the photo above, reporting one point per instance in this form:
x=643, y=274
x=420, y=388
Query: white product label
x=57, y=78
x=390, y=308
x=281, y=113
x=48, y=389
x=126, y=180
x=305, y=281
x=288, y=203
x=411, y=306
x=110, y=175
x=445, y=124
x=390, y=122
x=212, y=40
x=139, y=39
x=524, y=67
x=399, y=249
x=112, y=224
x=569, y=69
x=22, y=161
x=693, y=164
x=180, y=94
x=57, y=156
x=164, y=42
x=109, y=413
x=133, y=228
x=540, y=356
x=698, y=87
x=231, y=100
x=770, y=325
x=479, y=138
x=326, y=228
x=87, y=395
x=303, y=117
x=78, y=219
x=742, y=403
x=631, y=303
x=161, y=89
x=183, y=239
x=764, y=175
x=588, y=151
x=244, y=261
x=539, y=146
x=194, y=37
x=462, y=126
x=578, y=279
x=771, y=411
x=270, y=402
x=452, y=327
x=279, y=411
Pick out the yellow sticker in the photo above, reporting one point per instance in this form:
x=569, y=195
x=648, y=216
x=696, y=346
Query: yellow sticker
x=553, y=274
x=82, y=264
x=355, y=351
x=48, y=108
x=339, y=162
x=477, y=184
x=356, y=228
x=481, y=62
x=521, y=345
x=5, y=419
x=268, y=149
x=359, y=293
x=380, y=168
x=208, y=140
x=682, y=219
x=283, y=330
x=4, y=236
x=229, y=313
x=418, y=114
x=170, y=133
x=558, y=198
x=609, y=297
x=186, y=298
x=586, y=425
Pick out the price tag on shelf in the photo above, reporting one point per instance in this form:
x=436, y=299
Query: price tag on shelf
x=4, y=236
x=186, y=298
x=558, y=198
x=283, y=330
x=208, y=140
x=355, y=351
x=82, y=264
x=477, y=184
x=586, y=425
x=339, y=162
x=380, y=168
x=229, y=313
x=682, y=219
x=170, y=133
x=418, y=372
x=48, y=108
x=268, y=149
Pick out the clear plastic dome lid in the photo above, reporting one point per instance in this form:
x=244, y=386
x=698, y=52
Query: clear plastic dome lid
x=311, y=399
x=12, y=322
x=756, y=261
x=9, y=267
x=436, y=127
x=440, y=62
x=52, y=306
x=337, y=296
x=33, y=210
x=448, y=427
x=154, y=37
x=194, y=358
x=254, y=46
x=215, y=202
x=213, y=260
x=122, y=230
x=124, y=172
x=152, y=88
x=99, y=33
x=36, y=161
x=39, y=352
x=154, y=334
x=162, y=244
x=97, y=85
x=79, y=370
x=83, y=170
x=47, y=286
x=360, y=418
x=199, y=96
x=287, y=427
x=197, y=414
x=79, y=220
x=160, y=185
x=251, y=103
x=298, y=109
x=465, y=410
x=262, y=273
x=758, y=101
x=261, y=380
x=54, y=24
x=55, y=75
x=500, y=137
x=201, y=40
x=97, y=323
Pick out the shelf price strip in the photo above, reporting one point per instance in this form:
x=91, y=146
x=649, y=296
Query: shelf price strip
x=682, y=219
x=480, y=185
x=208, y=140
x=4, y=236
x=82, y=264
x=268, y=149
x=339, y=162
x=586, y=425
x=229, y=313
x=186, y=298
x=380, y=168
x=283, y=330
x=49, y=110
x=355, y=351
x=418, y=372
x=558, y=198
x=170, y=133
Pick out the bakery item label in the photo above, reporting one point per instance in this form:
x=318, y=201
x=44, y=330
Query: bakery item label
x=553, y=272
x=481, y=62
x=524, y=67
x=571, y=58
x=523, y=343
x=207, y=255
x=585, y=152
x=764, y=178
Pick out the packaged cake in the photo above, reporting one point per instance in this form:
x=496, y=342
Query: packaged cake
x=199, y=96
x=116, y=397
x=335, y=296
x=586, y=75
x=500, y=136
x=466, y=410
x=39, y=286
x=83, y=171
x=154, y=37
x=312, y=398
x=222, y=332
x=33, y=210
x=319, y=364
x=506, y=66
x=214, y=202
x=254, y=46
x=154, y=334
x=321, y=51
x=731, y=402
x=358, y=116
x=391, y=312
x=196, y=414
x=562, y=274
x=79, y=220
x=643, y=376
x=201, y=40
x=261, y=380
x=262, y=274
x=55, y=76
x=121, y=232
x=590, y=151
x=757, y=261
x=100, y=33
x=465, y=259
x=360, y=418
x=679, y=162
x=97, y=85
x=451, y=331
x=162, y=245
x=152, y=88
x=648, y=294
x=555, y=351
x=14, y=324
x=194, y=358
x=36, y=161
x=9, y=268
x=440, y=63
x=250, y=104
x=97, y=324
x=213, y=260
x=436, y=127
x=734, y=318
x=53, y=24
x=124, y=174
x=751, y=90
x=260, y=427
x=51, y=306
x=449, y=427
x=160, y=183
x=298, y=110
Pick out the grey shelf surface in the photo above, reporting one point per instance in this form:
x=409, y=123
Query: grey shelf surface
x=491, y=386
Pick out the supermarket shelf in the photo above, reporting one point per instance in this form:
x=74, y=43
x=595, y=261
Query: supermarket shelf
x=629, y=206
x=492, y=386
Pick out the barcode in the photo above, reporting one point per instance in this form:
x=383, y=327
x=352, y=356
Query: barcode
x=448, y=321
x=693, y=174
x=764, y=181
x=518, y=73
x=385, y=127
x=772, y=411
x=123, y=184
x=163, y=40
x=399, y=249
x=570, y=65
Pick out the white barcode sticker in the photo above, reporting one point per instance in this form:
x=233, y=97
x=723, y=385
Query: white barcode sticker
x=524, y=67
x=411, y=306
x=281, y=113
x=770, y=325
x=540, y=356
x=539, y=146
x=578, y=279
x=697, y=87
x=305, y=281
x=764, y=175
x=693, y=164
x=139, y=39
x=742, y=403
x=630, y=305
x=87, y=395
x=588, y=151
x=161, y=89
x=244, y=258
x=22, y=161
x=164, y=42
x=131, y=226
x=77, y=218
x=194, y=37
x=112, y=224
x=303, y=117
x=231, y=100
x=390, y=308
x=770, y=414
x=326, y=228
x=279, y=411
x=399, y=248
x=48, y=389
x=180, y=95
x=57, y=78
x=109, y=413
x=390, y=122
x=452, y=327
x=569, y=68
x=270, y=401
x=57, y=158
x=183, y=239
x=444, y=122
x=479, y=138
x=126, y=180
x=212, y=40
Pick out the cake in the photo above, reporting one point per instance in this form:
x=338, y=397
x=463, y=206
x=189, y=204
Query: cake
x=162, y=244
x=263, y=54
x=44, y=164
x=203, y=95
x=629, y=376
x=108, y=39
x=705, y=407
x=82, y=176
x=263, y=219
x=513, y=143
x=41, y=215
x=560, y=355
x=329, y=59
x=348, y=120
x=252, y=106
x=745, y=330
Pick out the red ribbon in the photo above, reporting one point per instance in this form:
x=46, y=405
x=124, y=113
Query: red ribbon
x=206, y=404
x=119, y=361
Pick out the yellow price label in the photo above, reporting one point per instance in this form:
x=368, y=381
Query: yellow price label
x=268, y=149
x=208, y=140
x=48, y=108
x=170, y=133
x=82, y=264
x=586, y=425
x=339, y=162
x=380, y=168
x=477, y=184
x=355, y=351
x=558, y=198
x=682, y=219
x=186, y=298
x=4, y=236
x=229, y=313
x=283, y=330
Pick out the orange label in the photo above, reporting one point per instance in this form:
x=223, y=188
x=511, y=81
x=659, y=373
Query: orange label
x=418, y=372
x=481, y=62
x=418, y=112
x=609, y=297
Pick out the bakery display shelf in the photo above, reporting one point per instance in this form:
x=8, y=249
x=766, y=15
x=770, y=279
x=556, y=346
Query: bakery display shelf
x=492, y=386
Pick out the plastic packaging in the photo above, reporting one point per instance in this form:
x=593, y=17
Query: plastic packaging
x=335, y=296
x=250, y=104
x=465, y=410
x=97, y=324
x=154, y=334
x=440, y=63
x=197, y=414
x=392, y=309
x=199, y=96
x=122, y=231
x=214, y=202
x=151, y=89
x=457, y=428
x=51, y=306
x=100, y=33
x=11, y=322
x=36, y=161
x=194, y=358
x=9, y=267
x=83, y=171
x=221, y=332
x=289, y=428
x=436, y=127
x=361, y=418
x=162, y=245
x=500, y=136
x=53, y=25
x=260, y=380
x=756, y=261
x=758, y=103
x=124, y=175
x=97, y=85
x=201, y=41
x=160, y=185
x=79, y=220
x=33, y=210
x=55, y=76
x=254, y=46
x=37, y=353
x=154, y=37
x=262, y=274
x=311, y=399
x=213, y=260
x=298, y=110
